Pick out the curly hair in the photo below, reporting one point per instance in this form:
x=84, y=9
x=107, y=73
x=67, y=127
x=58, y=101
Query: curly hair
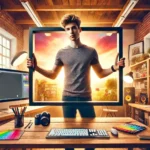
x=70, y=18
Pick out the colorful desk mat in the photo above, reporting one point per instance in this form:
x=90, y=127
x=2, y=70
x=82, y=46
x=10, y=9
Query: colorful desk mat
x=130, y=128
x=11, y=134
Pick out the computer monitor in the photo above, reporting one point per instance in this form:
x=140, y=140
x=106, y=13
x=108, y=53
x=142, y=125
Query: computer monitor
x=14, y=88
x=45, y=42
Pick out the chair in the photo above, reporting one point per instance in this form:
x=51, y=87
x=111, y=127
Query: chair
x=109, y=112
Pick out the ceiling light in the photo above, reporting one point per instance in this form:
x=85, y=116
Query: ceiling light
x=125, y=12
x=129, y=7
x=119, y=22
x=31, y=13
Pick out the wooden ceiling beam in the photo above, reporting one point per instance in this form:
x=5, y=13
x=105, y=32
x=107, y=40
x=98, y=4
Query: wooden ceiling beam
x=50, y=2
x=56, y=22
x=79, y=8
x=127, y=26
x=127, y=21
x=26, y=27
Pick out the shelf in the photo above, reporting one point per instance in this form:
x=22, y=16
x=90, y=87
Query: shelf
x=140, y=78
x=141, y=62
x=140, y=89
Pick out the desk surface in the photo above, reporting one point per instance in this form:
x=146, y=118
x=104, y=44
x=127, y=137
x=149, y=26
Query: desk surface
x=35, y=136
x=140, y=106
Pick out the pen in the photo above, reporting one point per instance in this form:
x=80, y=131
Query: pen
x=18, y=111
x=14, y=111
x=24, y=109
x=30, y=125
x=27, y=124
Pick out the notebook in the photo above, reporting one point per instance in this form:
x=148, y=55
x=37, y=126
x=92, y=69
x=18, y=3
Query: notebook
x=11, y=134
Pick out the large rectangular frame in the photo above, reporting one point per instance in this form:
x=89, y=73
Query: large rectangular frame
x=53, y=103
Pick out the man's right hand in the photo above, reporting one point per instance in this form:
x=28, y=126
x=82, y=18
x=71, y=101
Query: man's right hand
x=32, y=63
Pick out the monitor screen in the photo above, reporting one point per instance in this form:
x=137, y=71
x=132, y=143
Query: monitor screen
x=46, y=42
x=14, y=85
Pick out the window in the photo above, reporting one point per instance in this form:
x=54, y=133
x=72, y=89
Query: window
x=4, y=52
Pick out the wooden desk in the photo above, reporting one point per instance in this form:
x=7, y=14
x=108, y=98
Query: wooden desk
x=35, y=136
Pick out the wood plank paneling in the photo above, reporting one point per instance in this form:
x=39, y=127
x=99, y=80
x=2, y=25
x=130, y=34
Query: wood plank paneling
x=72, y=2
x=54, y=13
x=102, y=2
x=47, y=16
x=86, y=2
x=84, y=16
x=57, y=2
x=78, y=14
x=65, y=2
x=79, y=2
x=22, y=15
x=93, y=2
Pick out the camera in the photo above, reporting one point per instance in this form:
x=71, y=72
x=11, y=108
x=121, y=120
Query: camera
x=43, y=119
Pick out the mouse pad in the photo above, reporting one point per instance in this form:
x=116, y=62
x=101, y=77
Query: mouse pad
x=11, y=134
x=130, y=128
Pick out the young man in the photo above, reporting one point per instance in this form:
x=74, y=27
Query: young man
x=76, y=59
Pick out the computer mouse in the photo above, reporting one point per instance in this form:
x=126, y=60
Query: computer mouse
x=114, y=131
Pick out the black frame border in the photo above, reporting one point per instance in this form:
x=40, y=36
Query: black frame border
x=56, y=103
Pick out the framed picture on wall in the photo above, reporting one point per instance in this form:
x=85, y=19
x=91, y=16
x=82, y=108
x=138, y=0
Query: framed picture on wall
x=135, y=50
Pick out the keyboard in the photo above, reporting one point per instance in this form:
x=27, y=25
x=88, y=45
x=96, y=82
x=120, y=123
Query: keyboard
x=77, y=133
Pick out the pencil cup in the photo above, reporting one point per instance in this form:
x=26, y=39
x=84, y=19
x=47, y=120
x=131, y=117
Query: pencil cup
x=19, y=121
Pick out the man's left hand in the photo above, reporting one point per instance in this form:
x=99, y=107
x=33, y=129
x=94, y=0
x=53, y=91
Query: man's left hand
x=120, y=63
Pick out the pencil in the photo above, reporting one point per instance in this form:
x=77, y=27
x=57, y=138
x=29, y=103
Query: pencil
x=30, y=125
x=27, y=124
x=18, y=111
x=13, y=111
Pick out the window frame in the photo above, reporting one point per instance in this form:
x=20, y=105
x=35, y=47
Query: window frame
x=2, y=64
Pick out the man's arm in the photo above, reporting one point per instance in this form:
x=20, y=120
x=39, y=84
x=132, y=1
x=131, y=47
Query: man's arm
x=52, y=74
x=101, y=73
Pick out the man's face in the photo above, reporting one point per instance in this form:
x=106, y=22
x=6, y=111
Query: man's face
x=73, y=31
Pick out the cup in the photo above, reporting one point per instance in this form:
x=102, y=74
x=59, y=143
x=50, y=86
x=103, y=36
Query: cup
x=19, y=121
